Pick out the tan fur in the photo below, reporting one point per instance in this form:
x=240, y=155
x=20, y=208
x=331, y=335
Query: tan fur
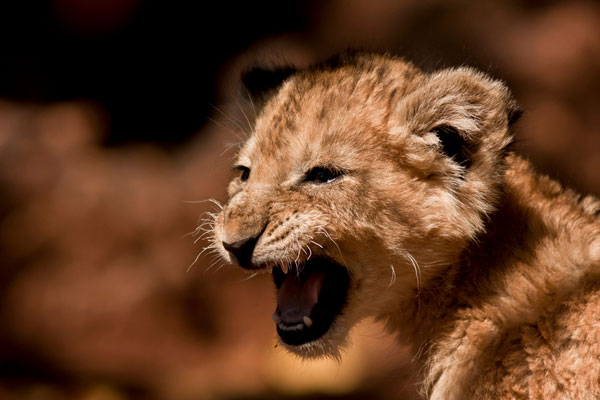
x=490, y=272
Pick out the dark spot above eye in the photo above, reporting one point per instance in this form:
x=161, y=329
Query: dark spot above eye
x=244, y=172
x=322, y=175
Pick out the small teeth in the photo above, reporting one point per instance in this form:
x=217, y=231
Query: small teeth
x=296, y=327
x=285, y=267
x=307, y=323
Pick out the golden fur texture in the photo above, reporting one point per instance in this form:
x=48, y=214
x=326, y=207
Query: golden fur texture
x=489, y=270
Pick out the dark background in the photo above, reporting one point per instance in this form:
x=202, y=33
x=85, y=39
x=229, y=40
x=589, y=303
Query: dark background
x=115, y=112
x=151, y=64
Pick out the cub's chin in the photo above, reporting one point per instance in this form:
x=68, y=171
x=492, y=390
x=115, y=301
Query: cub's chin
x=329, y=345
x=311, y=298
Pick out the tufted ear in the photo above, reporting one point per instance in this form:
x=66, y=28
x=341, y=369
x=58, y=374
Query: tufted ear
x=515, y=112
x=258, y=84
x=466, y=110
x=453, y=145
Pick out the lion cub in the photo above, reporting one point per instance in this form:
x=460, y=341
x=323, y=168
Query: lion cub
x=369, y=188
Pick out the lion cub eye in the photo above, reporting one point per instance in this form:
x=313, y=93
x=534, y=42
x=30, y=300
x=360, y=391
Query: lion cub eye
x=323, y=175
x=244, y=172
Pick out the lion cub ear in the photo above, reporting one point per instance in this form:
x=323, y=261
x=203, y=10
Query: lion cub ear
x=467, y=111
x=259, y=84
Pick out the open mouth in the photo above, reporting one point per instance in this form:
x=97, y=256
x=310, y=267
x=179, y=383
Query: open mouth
x=309, y=298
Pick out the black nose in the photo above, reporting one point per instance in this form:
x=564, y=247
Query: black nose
x=242, y=250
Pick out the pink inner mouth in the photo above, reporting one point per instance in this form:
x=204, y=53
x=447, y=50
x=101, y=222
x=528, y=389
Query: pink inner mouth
x=297, y=296
x=309, y=298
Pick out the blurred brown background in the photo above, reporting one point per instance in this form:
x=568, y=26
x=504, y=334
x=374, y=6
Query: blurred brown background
x=114, y=113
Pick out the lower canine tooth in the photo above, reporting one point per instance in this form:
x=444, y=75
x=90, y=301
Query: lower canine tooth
x=307, y=321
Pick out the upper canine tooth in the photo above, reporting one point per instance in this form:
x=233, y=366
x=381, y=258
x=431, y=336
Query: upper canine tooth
x=307, y=321
x=276, y=318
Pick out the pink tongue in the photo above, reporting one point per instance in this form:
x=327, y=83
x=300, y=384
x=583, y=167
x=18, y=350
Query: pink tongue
x=296, y=298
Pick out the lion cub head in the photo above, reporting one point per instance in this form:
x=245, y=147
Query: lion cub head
x=363, y=179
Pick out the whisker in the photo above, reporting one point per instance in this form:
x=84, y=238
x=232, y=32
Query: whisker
x=233, y=121
x=203, y=227
x=250, y=277
x=203, y=236
x=220, y=267
x=417, y=269
x=215, y=262
x=324, y=231
x=393, y=279
x=316, y=244
x=216, y=203
x=227, y=128
x=229, y=146
x=237, y=103
x=251, y=101
x=299, y=249
x=196, y=259
x=210, y=200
